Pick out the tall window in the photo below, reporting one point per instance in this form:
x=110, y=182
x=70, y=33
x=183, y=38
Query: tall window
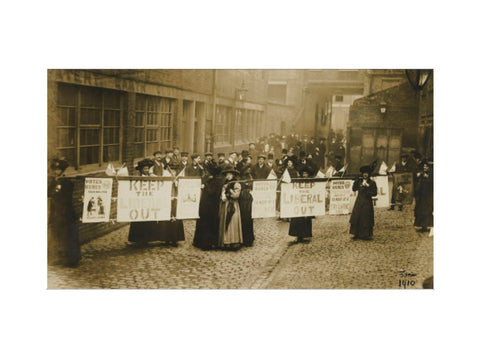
x=153, y=124
x=240, y=127
x=88, y=127
x=222, y=124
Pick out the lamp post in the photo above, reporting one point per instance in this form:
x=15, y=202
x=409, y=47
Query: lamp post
x=418, y=77
x=383, y=109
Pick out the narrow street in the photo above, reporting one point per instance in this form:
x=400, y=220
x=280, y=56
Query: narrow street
x=331, y=260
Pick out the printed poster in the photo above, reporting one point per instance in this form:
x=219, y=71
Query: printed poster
x=188, y=198
x=403, y=187
x=97, y=197
x=264, y=195
x=302, y=199
x=144, y=199
x=340, y=196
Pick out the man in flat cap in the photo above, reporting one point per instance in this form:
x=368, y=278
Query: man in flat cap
x=183, y=161
x=168, y=163
x=157, y=168
x=195, y=168
x=260, y=171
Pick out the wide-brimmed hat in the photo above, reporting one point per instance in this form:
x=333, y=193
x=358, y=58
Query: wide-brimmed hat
x=144, y=162
x=59, y=164
x=306, y=169
x=231, y=169
x=366, y=168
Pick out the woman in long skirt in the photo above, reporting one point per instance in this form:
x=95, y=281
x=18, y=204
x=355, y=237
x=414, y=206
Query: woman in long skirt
x=230, y=222
x=141, y=233
x=424, y=198
x=362, y=218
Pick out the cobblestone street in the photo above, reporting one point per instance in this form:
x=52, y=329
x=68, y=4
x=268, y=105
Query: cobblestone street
x=331, y=259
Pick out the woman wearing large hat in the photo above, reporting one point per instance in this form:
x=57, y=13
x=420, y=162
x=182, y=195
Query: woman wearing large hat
x=230, y=222
x=362, y=218
x=141, y=233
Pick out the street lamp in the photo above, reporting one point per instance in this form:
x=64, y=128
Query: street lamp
x=383, y=108
x=418, y=77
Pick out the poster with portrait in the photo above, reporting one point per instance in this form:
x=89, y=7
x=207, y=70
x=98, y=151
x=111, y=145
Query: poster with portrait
x=97, y=197
x=403, y=187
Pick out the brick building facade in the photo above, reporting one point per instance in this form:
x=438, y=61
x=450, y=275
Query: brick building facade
x=96, y=117
x=373, y=134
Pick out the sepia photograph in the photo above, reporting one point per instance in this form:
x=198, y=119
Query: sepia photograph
x=240, y=178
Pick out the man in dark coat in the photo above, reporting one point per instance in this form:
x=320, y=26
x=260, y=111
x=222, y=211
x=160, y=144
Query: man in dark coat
x=260, y=171
x=270, y=164
x=195, y=169
x=210, y=165
x=63, y=237
x=157, y=168
x=168, y=162
x=243, y=162
x=424, y=197
x=183, y=161
x=362, y=218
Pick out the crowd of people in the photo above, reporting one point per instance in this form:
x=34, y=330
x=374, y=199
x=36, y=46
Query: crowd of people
x=225, y=220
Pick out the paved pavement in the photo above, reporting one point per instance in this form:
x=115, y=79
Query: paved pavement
x=331, y=260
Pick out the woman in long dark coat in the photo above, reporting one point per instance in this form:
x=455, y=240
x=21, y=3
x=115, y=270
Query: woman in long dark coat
x=141, y=233
x=245, y=202
x=424, y=198
x=362, y=218
x=206, y=230
x=63, y=237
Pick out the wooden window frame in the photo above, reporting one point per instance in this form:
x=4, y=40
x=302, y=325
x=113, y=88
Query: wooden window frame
x=78, y=126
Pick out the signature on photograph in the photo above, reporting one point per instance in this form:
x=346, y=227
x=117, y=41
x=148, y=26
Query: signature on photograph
x=407, y=279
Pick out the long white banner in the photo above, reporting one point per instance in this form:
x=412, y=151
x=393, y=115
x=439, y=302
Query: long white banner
x=264, y=195
x=302, y=199
x=144, y=199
